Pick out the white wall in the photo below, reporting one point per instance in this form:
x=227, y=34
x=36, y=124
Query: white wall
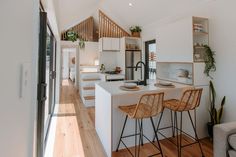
x=222, y=23
x=109, y=59
x=89, y=53
x=65, y=65
x=19, y=44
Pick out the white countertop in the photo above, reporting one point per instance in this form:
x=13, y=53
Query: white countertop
x=114, y=87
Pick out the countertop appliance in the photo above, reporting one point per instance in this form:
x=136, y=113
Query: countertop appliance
x=132, y=57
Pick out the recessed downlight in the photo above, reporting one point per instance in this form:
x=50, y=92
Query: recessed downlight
x=130, y=4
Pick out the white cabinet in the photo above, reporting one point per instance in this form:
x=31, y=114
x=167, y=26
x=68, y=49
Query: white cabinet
x=106, y=44
x=115, y=44
x=109, y=44
x=174, y=42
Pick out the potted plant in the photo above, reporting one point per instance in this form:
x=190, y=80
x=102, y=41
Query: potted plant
x=135, y=31
x=73, y=36
x=215, y=114
x=209, y=61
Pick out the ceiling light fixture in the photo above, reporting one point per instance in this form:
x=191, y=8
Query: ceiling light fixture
x=130, y=4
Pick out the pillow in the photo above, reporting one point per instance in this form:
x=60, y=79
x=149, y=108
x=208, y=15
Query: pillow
x=232, y=153
x=232, y=141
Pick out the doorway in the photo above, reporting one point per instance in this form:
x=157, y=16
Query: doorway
x=150, y=59
x=46, y=82
x=69, y=64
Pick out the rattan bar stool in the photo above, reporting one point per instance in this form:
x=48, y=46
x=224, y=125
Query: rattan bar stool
x=149, y=105
x=189, y=102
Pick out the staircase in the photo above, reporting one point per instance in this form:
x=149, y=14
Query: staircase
x=87, y=87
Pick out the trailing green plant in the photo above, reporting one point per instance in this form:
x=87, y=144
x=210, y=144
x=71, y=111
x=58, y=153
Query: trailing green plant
x=215, y=114
x=135, y=29
x=209, y=61
x=81, y=43
x=72, y=36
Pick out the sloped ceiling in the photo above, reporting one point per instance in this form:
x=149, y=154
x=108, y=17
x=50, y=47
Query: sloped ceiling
x=142, y=12
x=72, y=12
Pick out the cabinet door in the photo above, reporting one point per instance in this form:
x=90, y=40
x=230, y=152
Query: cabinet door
x=115, y=44
x=174, y=42
x=106, y=44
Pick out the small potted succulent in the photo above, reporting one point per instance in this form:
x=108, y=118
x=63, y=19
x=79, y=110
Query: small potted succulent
x=135, y=30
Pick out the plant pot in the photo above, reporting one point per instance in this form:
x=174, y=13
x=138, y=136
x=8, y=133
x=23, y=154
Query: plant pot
x=136, y=34
x=210, y=126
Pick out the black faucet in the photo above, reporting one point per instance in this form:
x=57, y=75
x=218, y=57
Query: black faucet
x=145, y=77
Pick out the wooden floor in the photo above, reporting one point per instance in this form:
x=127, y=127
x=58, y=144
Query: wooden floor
x=76, y=135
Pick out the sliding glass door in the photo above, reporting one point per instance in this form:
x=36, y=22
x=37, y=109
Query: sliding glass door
x=50, y=79
x=46, y=81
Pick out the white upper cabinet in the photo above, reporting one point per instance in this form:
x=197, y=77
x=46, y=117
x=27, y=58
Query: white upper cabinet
x=115, y=44
x=109, y=44
x=174, y=42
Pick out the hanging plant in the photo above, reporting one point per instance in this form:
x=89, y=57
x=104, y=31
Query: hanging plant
x=209, y=61
x=72, y=36
x=81, y=43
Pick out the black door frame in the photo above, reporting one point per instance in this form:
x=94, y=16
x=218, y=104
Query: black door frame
x=147, y=43
x=41, y=83
x=42, y=136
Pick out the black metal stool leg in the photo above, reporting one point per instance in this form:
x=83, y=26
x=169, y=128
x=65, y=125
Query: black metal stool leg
x=158, y=142
x=181, y=127
x=176, y=130
x=195, y=131
x=122, y=133
x=158, y=125
x=135, y=136
x=141, y=130
x=140, y=135
x=172, y=125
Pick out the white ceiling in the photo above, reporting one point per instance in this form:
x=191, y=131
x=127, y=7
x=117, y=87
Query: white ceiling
x=143, y=12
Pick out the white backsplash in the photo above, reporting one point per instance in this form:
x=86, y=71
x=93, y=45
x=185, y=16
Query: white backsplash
x=170, y=71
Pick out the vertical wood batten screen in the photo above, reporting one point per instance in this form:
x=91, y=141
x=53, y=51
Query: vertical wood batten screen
x=85, y=29
x=108, y=28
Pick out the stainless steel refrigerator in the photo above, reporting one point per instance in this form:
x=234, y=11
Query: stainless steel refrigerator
x=131, y=59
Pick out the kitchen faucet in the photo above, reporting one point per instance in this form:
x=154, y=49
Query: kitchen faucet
x=145, y=77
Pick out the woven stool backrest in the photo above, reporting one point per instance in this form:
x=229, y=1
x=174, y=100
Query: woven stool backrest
x=149, y=105
x=190, y=99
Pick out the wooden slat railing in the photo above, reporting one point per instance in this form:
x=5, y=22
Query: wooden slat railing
x=108, y=28
x=86, y=30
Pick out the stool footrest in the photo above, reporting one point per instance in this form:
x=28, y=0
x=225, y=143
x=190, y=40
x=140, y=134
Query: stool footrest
x=127, y=136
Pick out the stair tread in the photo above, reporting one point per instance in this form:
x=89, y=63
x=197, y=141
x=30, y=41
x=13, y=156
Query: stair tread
x=92, y=79
x=89, y=97
x=89, y=88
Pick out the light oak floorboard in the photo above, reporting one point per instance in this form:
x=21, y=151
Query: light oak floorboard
x=76, y=135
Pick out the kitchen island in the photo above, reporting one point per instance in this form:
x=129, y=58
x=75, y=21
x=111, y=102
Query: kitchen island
x=109, y=120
